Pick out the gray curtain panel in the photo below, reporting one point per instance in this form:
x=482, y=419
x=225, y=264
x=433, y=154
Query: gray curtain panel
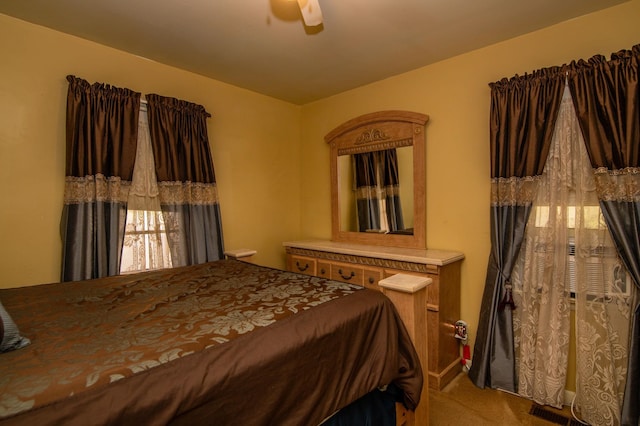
x=606, y=96
x=523, y=114
x=186, y=180
x=101, y=139
x=392, y=190
x=367, y=203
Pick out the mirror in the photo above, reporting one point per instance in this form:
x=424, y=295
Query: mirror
x=378, y=179
x=348, y=193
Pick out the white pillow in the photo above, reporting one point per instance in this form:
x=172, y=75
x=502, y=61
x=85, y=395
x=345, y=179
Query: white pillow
x=10, y=338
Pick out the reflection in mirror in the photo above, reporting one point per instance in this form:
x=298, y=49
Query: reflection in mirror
x=386, y=147
x=369, y=202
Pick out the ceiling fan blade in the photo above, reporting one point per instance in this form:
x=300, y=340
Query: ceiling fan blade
x=311, y=13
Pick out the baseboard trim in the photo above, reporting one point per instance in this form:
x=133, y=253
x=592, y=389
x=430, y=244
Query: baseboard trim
x=568, y=395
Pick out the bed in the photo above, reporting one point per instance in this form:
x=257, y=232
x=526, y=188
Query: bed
x=224, y=342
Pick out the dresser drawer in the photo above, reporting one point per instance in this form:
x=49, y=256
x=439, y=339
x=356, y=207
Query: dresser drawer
x=371, y=278
x=347, y=273
x=303, y=264
x=324, y=269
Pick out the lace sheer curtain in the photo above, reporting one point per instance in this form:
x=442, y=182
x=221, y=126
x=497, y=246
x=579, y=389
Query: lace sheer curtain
x=568, y=249
x=145, y=240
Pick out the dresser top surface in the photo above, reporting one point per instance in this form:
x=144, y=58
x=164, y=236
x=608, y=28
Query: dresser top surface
x=427, y=257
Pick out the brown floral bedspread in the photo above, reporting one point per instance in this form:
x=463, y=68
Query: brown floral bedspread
x=198, y=343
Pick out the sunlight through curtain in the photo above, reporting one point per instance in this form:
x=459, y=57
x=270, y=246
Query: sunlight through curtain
x=146, y=244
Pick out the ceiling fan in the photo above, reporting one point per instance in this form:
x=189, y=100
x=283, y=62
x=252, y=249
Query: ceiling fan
x=311, y=13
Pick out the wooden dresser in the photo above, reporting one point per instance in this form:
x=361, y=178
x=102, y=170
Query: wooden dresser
x=366, y=265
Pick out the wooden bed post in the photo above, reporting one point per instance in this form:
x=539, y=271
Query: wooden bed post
x=409, y=295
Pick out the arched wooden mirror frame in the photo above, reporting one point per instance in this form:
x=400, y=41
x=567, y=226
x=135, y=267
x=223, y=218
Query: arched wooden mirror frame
x=373, y=132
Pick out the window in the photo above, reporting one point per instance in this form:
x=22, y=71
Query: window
x=602, y=263
x=145, y=242
x=602, y=267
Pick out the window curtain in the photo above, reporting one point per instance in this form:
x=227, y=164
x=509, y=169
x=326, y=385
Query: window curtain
x=101, y=134
x=392, y=190
x=567, y=248
x=377, y=191
x=605, y=97
x=146, y=245
x=186, y=180
x=367, y=202
x=522, y=118
x=607, y=100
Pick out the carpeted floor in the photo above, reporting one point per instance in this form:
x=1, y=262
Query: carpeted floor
x=461, y=403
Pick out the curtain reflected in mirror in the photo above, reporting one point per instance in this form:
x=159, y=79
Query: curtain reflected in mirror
x=376, y=191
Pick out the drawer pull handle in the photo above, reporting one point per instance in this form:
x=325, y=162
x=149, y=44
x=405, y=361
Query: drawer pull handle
x=371, y=280
x=353, y=274
x=322, y=271
x=302, y=268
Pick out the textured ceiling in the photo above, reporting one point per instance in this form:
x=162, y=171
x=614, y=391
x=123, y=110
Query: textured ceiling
x=263, y=45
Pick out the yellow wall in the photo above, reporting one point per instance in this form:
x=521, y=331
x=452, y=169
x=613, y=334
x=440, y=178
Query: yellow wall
x=455, y=95
x=266, y=151
x=255, y=144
